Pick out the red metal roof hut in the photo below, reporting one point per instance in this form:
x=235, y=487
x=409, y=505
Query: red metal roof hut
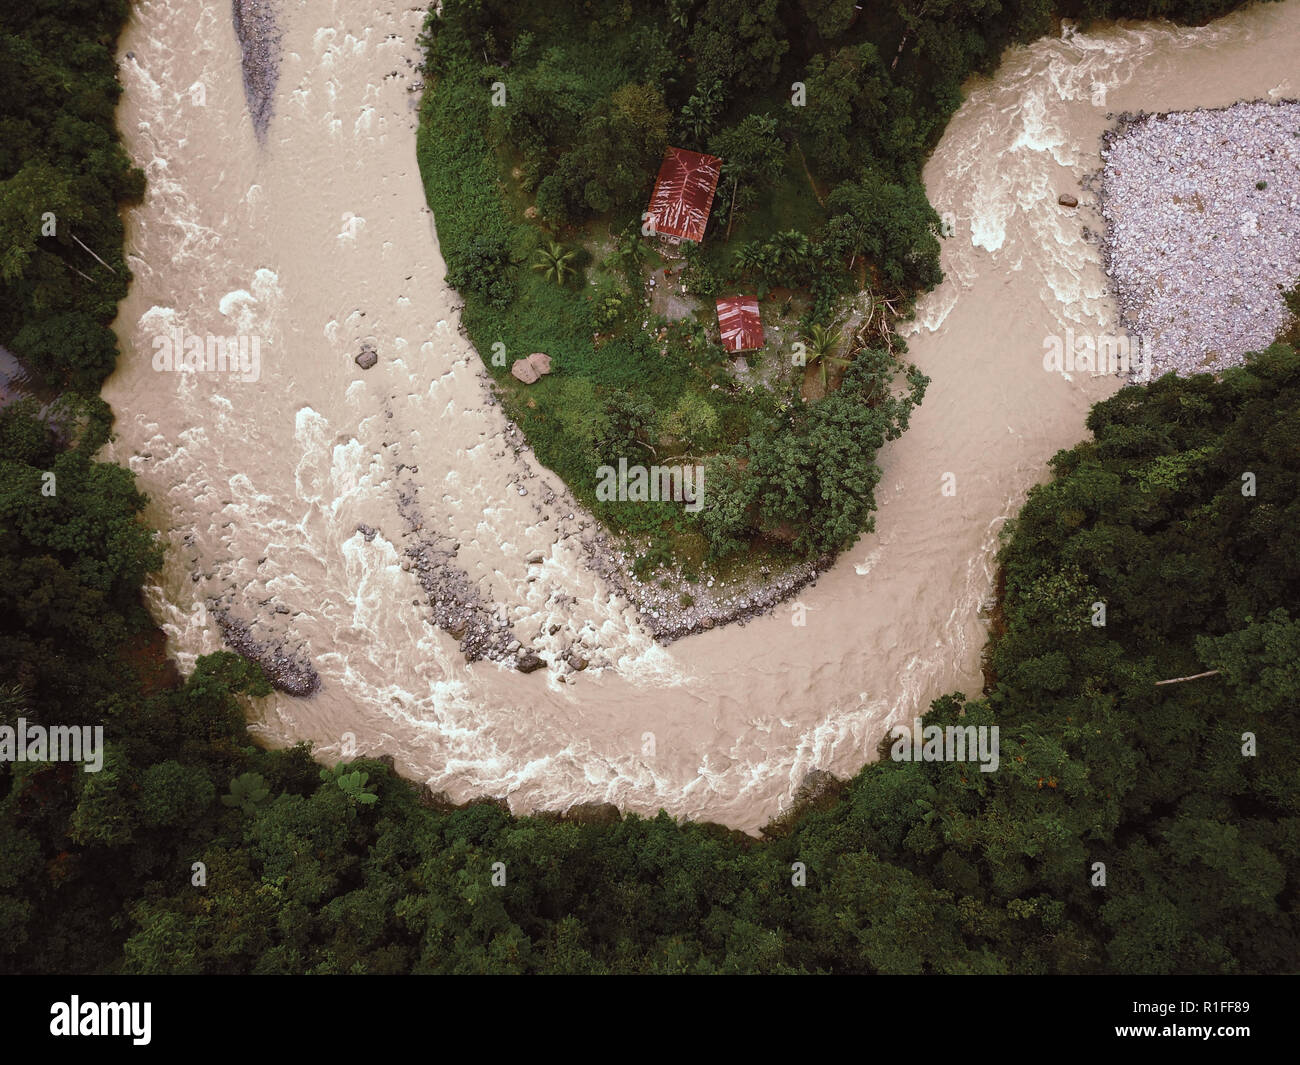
x=683, y=194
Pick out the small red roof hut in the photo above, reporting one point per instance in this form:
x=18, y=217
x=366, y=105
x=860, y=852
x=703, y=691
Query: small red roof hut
x=740, y=324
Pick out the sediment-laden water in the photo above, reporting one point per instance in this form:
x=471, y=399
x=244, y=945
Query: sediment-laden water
x=15, y=382
x=292, y=502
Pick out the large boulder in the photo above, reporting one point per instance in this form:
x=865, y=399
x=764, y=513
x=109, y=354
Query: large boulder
x=528, y=662
x=1066, y=200
x=525, y=371
x=540, y=361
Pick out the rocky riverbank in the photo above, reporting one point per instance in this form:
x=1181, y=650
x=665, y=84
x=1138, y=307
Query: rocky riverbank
x=671, y=607
x=287, y=670
x=1202, y=213
x=708, y=603
x=667, y=613
x=458, y=609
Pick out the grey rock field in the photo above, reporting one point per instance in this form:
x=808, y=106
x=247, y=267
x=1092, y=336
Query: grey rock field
x=1203, y=226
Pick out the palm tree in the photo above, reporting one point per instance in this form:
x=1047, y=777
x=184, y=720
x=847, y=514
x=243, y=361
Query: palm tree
x=696, y=121
x=554, y=261
x=787, y=255
x=352, y=784
x=247, y=791
x=822, y=344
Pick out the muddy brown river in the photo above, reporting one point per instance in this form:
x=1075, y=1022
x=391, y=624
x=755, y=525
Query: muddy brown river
x=318, y=240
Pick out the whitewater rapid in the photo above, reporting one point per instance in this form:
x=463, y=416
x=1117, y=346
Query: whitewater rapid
x=319, y=240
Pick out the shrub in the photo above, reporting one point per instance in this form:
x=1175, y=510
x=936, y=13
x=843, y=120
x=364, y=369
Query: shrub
x=692, y=421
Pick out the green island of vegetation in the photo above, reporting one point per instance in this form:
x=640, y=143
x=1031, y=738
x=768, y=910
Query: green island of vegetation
x=541, y=206
x=542, y=130
x=911, y=866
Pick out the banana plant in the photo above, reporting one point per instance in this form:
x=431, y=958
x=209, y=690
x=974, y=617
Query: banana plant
x=630, y=253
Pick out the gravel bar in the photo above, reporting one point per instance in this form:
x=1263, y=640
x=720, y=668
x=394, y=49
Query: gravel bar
x=1202, y=214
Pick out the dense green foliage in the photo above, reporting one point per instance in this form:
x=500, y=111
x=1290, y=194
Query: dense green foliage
x=78, y=648
x=913, y=867
x=63, y=175
x=812, y=470
x=73, y=555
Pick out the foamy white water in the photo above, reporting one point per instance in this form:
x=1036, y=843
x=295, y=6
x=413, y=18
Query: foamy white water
x=321, y=241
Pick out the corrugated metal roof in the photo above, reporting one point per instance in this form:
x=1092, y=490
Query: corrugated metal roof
x=683, y=194
x=740, y=323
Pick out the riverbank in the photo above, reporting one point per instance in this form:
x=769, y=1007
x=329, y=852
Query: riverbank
x=670, y=606
x=1202, y=213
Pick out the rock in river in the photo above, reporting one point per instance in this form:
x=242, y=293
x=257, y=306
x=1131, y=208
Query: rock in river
x=528, y=662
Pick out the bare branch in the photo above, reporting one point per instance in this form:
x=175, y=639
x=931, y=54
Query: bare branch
x=93, y=255
x=1194, y=676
